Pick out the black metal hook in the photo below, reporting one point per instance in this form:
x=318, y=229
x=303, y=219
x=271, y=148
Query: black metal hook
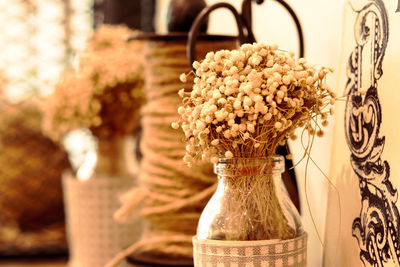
x=298, y=26
x=244, y=24
x=191, y=48
x=247, y=19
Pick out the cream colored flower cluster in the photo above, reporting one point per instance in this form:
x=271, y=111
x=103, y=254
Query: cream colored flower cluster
x=104, y=93
x=246, y=102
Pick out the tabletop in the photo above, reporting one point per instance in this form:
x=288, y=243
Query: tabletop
x=33, y=263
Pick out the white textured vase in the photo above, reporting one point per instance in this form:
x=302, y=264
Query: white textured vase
x=94, y=237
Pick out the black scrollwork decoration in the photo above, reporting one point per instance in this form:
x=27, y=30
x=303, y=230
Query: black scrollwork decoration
x=377, y=227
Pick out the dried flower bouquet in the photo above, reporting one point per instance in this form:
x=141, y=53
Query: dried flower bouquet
x=104, y=94
x=245, y=103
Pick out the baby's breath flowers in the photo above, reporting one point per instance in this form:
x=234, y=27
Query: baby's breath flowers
x=246, y=102
x=104, y=93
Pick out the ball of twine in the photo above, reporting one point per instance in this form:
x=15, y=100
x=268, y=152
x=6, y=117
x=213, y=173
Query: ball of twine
x=173, y=195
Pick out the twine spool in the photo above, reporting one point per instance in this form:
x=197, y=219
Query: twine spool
x=176, y=193
x=173, y=194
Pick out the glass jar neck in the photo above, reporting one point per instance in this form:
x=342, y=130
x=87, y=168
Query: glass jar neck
x=243, y=167
x=249, y=175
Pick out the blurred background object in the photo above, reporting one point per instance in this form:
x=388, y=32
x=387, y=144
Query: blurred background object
x=103, y=94
x=94, y=237
x=181, y=15
x=40, y=38
x=137, y=14
x=31, y=204
x=39, y=41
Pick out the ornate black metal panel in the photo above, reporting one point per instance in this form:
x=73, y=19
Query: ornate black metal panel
x=377, y=227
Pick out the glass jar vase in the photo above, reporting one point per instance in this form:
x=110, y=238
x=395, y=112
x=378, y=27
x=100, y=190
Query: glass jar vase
x=250, y=203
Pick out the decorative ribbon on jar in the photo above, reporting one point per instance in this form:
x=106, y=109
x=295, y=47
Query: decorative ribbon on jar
x=289, y=253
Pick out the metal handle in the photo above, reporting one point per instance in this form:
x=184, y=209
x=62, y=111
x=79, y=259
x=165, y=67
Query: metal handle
x=191, y=45
x=244, y=22
x=298, y=25
x=247, y=19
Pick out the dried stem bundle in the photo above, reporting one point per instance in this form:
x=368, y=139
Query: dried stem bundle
x=249, y=206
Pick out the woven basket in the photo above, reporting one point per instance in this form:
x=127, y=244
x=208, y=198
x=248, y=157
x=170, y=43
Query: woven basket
x=30, y=183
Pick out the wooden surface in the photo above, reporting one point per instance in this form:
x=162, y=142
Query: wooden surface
x=30, y=263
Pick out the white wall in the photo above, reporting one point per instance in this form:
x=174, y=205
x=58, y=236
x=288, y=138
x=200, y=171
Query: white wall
x=322, y=24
